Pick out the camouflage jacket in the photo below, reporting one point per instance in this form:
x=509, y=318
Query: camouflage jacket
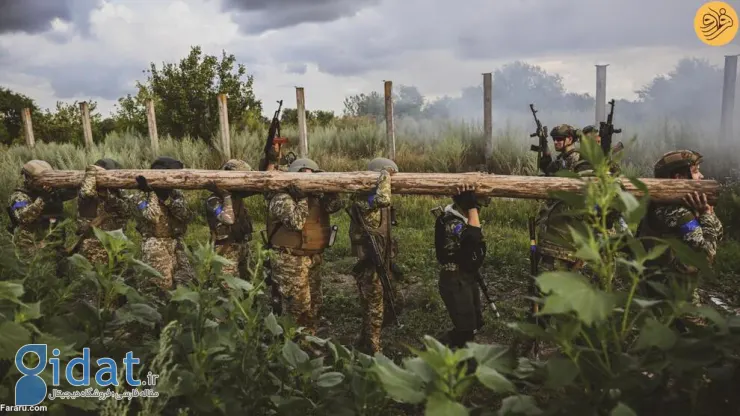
x=109, y=209
x=702, y=233
x=292, y=214
x=228, y=219
x=162, y=219
x=566, y=159
x=29, y=211
x=453, y=225
x=370, y=207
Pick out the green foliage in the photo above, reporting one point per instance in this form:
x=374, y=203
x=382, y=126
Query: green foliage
x=186, y=94
x=11, y=123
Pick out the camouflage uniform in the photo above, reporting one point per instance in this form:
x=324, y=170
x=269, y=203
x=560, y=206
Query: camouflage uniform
x=374, y=210
x=231, y=225
x=298, y=233
x=702, y=232
x=106, y=209
x=34, y=213
x=553, y=240
x=162, y=219
x=460, y=250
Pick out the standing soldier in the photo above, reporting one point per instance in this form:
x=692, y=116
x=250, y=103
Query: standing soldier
x=299, y=231
x=564, y=139
x=460, y=250
x=370, y=217
x=35, y=211
x=163, y=217
x=106, y=209
x=230, y=223
x=693, y=222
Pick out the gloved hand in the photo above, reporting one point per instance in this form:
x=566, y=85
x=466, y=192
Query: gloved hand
x=466, y=198
x=295, y=192
x=143, y=184
x=221, y=193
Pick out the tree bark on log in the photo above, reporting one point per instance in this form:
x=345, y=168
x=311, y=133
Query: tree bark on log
x=509, y=186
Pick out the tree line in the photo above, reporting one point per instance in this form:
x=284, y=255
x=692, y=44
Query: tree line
x=184, y=96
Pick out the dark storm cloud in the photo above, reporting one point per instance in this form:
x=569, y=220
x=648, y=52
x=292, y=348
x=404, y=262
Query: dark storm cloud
x=257, y=16
x=89, y=79
x=35, y=16
x=483, y=29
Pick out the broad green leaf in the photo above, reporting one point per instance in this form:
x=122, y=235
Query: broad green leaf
x=532, y=330
x=645, y=303
x=688, y=256
x=419, y=367
x=493, y=379
x=400, y=384
x=237, y=283
x=560, y=372
x=293, y=354
x=572, y=292
x=145, y=268
x=629, y=201
x=182, y=294
x=622, y=410
x=711, y=314
x=28, y=312
x=494, y=356
x=13, y=336
x=330, y=379
x=588, y=253
x=137, y=312
x=11, y=290
x=519, y=405
x=272, y=325
x=655, y=334
x=656, y=252
x=439, y=405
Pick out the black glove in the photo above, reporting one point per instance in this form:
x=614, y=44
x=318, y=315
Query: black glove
x=211, y=186
x=295, y=192
x=143, y=185
x=467, y=200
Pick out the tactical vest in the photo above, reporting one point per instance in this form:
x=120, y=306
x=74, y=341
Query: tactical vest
x=239, y=232
x=444, y=256
x=312, y=239
x=52, y=213
x=652, y=226
x=169, y=227
x=359, y=244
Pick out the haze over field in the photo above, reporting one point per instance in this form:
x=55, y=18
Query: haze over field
x=91, y=49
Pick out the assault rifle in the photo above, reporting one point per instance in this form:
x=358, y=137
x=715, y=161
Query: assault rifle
x=533, y=260
x=273, y=136
x=541, y=133
x=383, y=267
x=606, y=130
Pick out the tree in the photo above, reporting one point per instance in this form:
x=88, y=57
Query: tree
x=692, y=88
x=518, y=84
x=11, y=123
x=65, y=124
x=186, y=94
x=360, y=105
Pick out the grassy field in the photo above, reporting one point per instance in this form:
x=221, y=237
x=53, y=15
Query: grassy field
x=454, y=149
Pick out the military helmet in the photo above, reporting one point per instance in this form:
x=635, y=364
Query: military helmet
x=165, y=162
x=589, y=129
x=564, y=130
x=677, y=159
x=35, y=167
x=236, y=164
x=107, y=164
x=380, y=163
x=303, y=163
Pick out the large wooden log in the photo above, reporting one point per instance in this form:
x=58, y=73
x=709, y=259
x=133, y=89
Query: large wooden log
x=528, y=187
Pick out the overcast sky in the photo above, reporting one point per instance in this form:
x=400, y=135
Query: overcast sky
x=95, y=49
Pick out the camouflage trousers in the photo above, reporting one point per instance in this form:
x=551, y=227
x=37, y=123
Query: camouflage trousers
x=92, y=249
x=299, y=286
x=238, y=254
x=168, y=257
x=374, y=305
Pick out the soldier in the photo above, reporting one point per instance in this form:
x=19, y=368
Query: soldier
x=230, y=223
x=693, y=222
x=460, y=250
x=35, y=211
x=564, y=139
x=106, y=209
x=591, y=132
x=298, y=231
x=370, y=217
x=162, y=220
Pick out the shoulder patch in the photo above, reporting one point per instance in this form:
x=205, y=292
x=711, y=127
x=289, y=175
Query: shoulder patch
x=142, y=205
x=19, y=204
x=689, y=227
x=457, y=229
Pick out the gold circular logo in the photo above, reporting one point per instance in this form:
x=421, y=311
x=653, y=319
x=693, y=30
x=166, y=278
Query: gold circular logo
x=716, y=23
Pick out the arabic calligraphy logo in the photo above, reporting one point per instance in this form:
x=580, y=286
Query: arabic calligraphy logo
x=716, y=23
